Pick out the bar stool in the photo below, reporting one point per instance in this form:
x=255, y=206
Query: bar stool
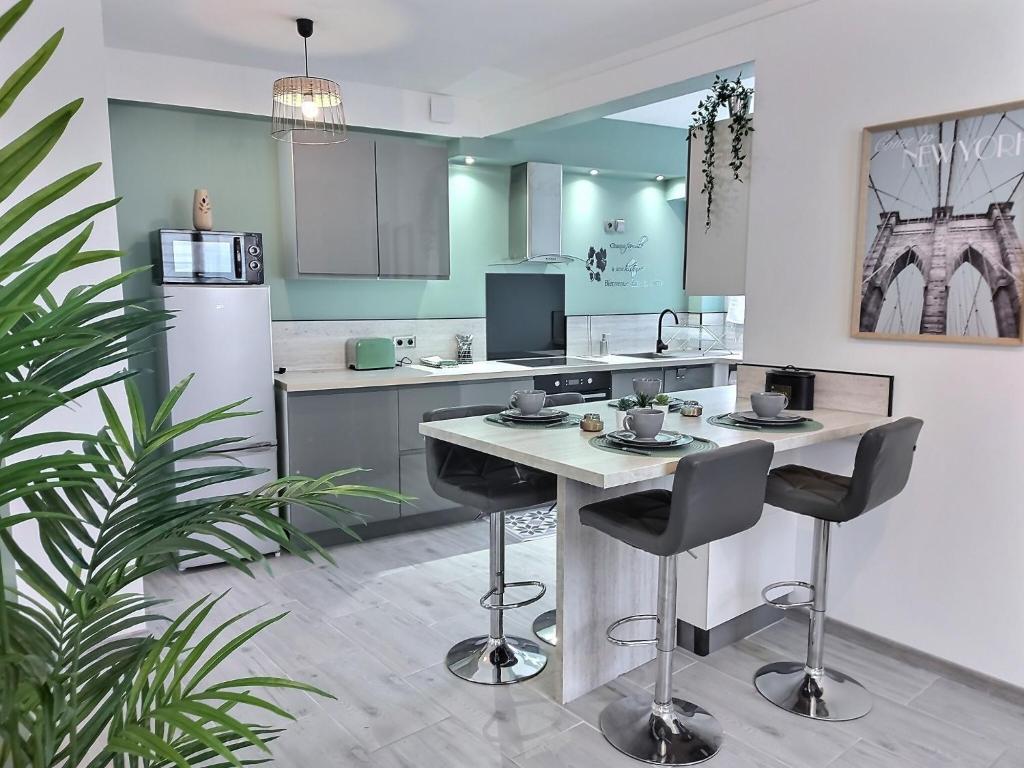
x=880, y=472
x=545, y=626
x=492, y=486
x=715, y=494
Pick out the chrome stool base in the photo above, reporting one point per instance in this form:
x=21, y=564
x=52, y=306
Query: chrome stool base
x=787, y=685
x=495, y=662
x=545, y=627
x=684, y=734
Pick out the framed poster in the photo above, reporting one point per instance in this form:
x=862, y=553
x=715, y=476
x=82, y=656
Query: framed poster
x=939, y=254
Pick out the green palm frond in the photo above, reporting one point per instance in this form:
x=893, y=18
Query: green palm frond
x=90, y=673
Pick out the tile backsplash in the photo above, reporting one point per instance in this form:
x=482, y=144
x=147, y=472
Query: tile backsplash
x=638, y=333
x=314, y=344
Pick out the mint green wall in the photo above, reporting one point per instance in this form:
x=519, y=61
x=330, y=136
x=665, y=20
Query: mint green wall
x=161, y=154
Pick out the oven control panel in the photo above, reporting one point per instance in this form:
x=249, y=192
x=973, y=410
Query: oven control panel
x=594, y=385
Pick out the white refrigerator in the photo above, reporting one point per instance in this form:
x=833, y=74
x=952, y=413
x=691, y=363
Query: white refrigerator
x=221, y=334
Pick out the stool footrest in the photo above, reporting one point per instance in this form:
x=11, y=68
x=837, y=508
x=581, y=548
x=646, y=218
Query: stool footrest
x=629, y=619
x=485, y=601
x=784, y=602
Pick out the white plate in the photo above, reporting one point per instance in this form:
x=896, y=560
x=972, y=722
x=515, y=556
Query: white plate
x=783, y=419
x=664, y=439
x=545, y=415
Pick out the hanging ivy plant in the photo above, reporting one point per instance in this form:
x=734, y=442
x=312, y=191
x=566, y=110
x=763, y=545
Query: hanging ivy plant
x=736, y=96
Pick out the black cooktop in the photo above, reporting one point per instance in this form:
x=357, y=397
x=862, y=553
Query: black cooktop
x=547, y=362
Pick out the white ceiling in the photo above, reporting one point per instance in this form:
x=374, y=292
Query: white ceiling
x=459, y=47
x=674, y=113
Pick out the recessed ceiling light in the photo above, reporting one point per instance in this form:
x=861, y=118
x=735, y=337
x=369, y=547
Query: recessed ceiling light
x=659, y=177
x=470, y=159
x=594, y=171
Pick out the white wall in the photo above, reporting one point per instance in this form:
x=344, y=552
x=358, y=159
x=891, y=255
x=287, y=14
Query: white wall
x=942, y=567
x=157, y=79
x=75, y=70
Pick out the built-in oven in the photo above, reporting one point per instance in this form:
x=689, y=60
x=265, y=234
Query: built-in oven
x=193, y=256
x=593, y=385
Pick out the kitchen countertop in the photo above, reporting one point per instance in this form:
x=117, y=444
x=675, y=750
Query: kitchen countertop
x=345, y=378
x=568, y=453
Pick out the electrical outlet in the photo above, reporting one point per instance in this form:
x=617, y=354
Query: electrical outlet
x=404, y=342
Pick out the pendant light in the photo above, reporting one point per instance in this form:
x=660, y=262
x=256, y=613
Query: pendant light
x=308, y=110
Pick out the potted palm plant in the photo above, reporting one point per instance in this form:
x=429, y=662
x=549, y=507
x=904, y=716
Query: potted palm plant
x=80, y=684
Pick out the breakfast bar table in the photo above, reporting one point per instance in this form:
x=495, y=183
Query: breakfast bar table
x=599, y=579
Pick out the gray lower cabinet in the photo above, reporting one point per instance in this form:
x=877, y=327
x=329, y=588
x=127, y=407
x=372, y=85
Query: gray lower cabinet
x=329, y=208
x=622, y=381
x=413, y=402
x=412, y=208
x=328, y=431
x=689, y=377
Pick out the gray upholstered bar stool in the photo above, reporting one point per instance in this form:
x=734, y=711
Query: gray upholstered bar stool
x=545, y=626
x=715, y=494
x=880, y=472
x=492, y=486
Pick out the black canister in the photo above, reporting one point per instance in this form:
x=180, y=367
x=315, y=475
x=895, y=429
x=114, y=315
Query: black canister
x=794, y=383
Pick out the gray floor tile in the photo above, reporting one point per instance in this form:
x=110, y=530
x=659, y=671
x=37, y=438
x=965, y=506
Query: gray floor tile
x=863, y=754
x=974, y=710
x=428, y=600
x=328, y=590
x=752, y=720
x=447, y=744
x=513, y=717
x=372, y=703
x=918, y=739
x=1012, y=758
x=301, y=640
x=400, y=641
x=316, y=741
x=590, y=705
x=644, y=675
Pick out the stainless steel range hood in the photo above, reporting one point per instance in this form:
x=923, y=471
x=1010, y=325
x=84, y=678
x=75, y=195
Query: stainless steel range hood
x=535, y=214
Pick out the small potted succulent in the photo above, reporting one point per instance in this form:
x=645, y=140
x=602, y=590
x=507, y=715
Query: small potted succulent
x=622, y=405
x=643, y=400
x=661, y=402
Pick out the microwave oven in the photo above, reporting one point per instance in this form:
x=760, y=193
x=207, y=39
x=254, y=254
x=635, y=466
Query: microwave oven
x=192, y=256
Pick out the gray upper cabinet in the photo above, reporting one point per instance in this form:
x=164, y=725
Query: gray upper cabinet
x=329, y=208
x=412, y=208
x=368, y=207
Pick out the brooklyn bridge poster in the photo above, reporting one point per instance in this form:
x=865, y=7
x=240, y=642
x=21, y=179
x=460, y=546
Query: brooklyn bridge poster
x=939, y=243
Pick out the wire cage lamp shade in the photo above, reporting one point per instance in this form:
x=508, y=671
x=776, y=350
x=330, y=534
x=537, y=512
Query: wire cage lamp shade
x=308, y=110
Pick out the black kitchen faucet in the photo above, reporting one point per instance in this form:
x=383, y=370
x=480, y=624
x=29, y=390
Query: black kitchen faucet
x=662, y=346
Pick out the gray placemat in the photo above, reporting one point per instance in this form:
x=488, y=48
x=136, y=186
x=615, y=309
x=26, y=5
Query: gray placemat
x=723, y=420
x=698, y=445
x=493, y=418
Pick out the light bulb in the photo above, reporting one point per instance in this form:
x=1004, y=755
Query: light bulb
x=310, y=110
x=594, y=171
x=659, y=177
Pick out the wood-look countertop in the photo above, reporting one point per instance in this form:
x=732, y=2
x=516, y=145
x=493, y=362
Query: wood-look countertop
x=345, y=378
x=567, y=452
